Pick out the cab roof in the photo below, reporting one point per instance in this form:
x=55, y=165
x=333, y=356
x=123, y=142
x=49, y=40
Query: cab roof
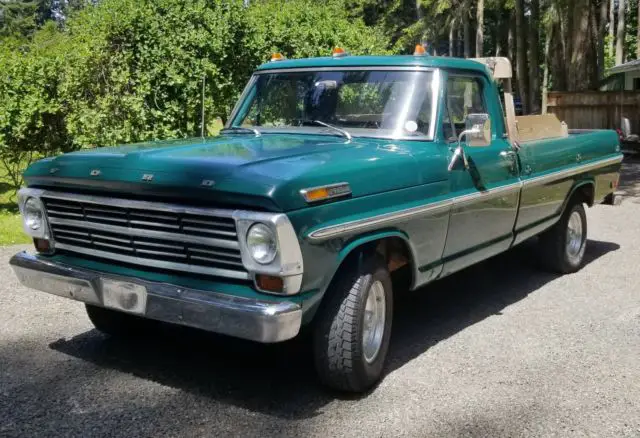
x=378, y=61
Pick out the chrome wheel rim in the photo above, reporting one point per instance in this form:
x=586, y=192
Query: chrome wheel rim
x=575, y=236
x=374, y=319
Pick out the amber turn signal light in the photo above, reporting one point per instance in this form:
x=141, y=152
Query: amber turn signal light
x=42, y=245
x=317, y=194
x=269, y=283
x=326, y=192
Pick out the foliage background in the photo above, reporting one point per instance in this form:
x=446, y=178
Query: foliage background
x=86, y=73
x=77, y=74
x=120, y=71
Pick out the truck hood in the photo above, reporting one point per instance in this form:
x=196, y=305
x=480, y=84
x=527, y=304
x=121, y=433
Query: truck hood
x=267, y=171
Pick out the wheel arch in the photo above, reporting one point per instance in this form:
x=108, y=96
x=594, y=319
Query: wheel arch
x=394, y=245
x=585, y=190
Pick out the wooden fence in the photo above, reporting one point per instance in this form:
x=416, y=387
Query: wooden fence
x=596, y=109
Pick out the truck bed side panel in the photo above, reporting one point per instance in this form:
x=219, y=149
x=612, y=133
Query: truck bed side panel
x=551, y=168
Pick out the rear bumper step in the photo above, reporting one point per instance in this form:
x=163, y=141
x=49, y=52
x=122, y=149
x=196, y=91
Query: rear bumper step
x=257, y=320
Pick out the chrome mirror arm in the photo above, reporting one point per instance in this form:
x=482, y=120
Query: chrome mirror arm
x=459, y=152
x=474, y=130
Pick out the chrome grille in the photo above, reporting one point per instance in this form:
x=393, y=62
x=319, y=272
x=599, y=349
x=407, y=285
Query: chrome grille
x=150, y=234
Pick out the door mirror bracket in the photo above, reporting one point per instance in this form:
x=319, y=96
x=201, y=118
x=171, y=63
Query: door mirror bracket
x=477, y=133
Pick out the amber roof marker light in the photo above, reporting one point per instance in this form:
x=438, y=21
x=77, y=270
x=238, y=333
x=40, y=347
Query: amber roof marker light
x=277, y=56
x=420, y=50
x=338, y=52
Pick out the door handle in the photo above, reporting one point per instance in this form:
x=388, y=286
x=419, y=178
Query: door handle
x=510, y=158
x=508, y=155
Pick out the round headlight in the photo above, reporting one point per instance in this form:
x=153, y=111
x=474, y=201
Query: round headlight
x=33, y=215
x=262, y=244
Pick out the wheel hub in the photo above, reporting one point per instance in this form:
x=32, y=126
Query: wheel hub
x=374, y=320
x=575, y=238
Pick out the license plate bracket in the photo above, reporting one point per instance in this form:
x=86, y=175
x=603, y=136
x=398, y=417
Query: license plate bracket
x=124, y=295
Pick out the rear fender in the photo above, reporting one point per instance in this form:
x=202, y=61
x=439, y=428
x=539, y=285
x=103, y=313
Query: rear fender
x=586, y=189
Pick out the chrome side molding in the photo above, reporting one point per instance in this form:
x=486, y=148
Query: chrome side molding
x=361, y=225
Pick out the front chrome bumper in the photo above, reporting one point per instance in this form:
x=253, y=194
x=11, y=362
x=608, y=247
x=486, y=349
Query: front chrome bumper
x=257, y=320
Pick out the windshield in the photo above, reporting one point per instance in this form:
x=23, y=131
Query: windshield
x=390, y=104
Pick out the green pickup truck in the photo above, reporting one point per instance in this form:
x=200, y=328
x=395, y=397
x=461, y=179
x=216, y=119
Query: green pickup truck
x=333, y=178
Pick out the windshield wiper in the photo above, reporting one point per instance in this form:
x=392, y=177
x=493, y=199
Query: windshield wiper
x=335, y=128
x=240, y=129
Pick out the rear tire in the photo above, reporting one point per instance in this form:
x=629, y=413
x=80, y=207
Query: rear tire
x=563, y=245
x=115, y=323
x=353, y=327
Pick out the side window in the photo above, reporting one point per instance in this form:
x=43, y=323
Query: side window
x=448, y=130
x=464, y=96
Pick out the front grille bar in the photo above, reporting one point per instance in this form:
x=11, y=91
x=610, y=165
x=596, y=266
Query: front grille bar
x=162, y=236
x=100, y=201
x=192, y=269
x=141, y=232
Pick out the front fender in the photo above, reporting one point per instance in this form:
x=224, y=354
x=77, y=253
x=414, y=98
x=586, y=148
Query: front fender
x=348, y=248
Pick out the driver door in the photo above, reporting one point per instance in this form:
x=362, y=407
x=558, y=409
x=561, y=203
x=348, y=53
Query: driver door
x=485, y=196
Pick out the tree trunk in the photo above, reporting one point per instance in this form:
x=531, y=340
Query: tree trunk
x=612, y=27
x=452, y=33
x=638, y=35
x=594, y=44
x=579, y=78
x=511, y=42
x=465, y=30
x=545, y=74
x=521, y=56
x=620, y=33
x=499, y=22
x=565, y=38
x=480, y=29
x=602, y=29
x=534, y=65
x=557, y=64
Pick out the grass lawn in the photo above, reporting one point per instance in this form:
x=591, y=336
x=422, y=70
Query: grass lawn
x=10, y=223
x=11, y=229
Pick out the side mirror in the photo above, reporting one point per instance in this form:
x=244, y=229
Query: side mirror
x=477, y=133
x=477, y=130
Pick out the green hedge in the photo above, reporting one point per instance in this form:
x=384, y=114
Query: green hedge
x=131, y=70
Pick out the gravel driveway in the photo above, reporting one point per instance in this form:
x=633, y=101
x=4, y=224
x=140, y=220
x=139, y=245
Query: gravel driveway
x=499, y=349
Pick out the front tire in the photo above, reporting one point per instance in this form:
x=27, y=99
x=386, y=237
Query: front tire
x=563, y=245
x=351, y=335
x=115, y=323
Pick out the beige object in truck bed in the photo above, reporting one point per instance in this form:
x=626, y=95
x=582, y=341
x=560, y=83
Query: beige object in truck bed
x=523, y=128
x=531, y=128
